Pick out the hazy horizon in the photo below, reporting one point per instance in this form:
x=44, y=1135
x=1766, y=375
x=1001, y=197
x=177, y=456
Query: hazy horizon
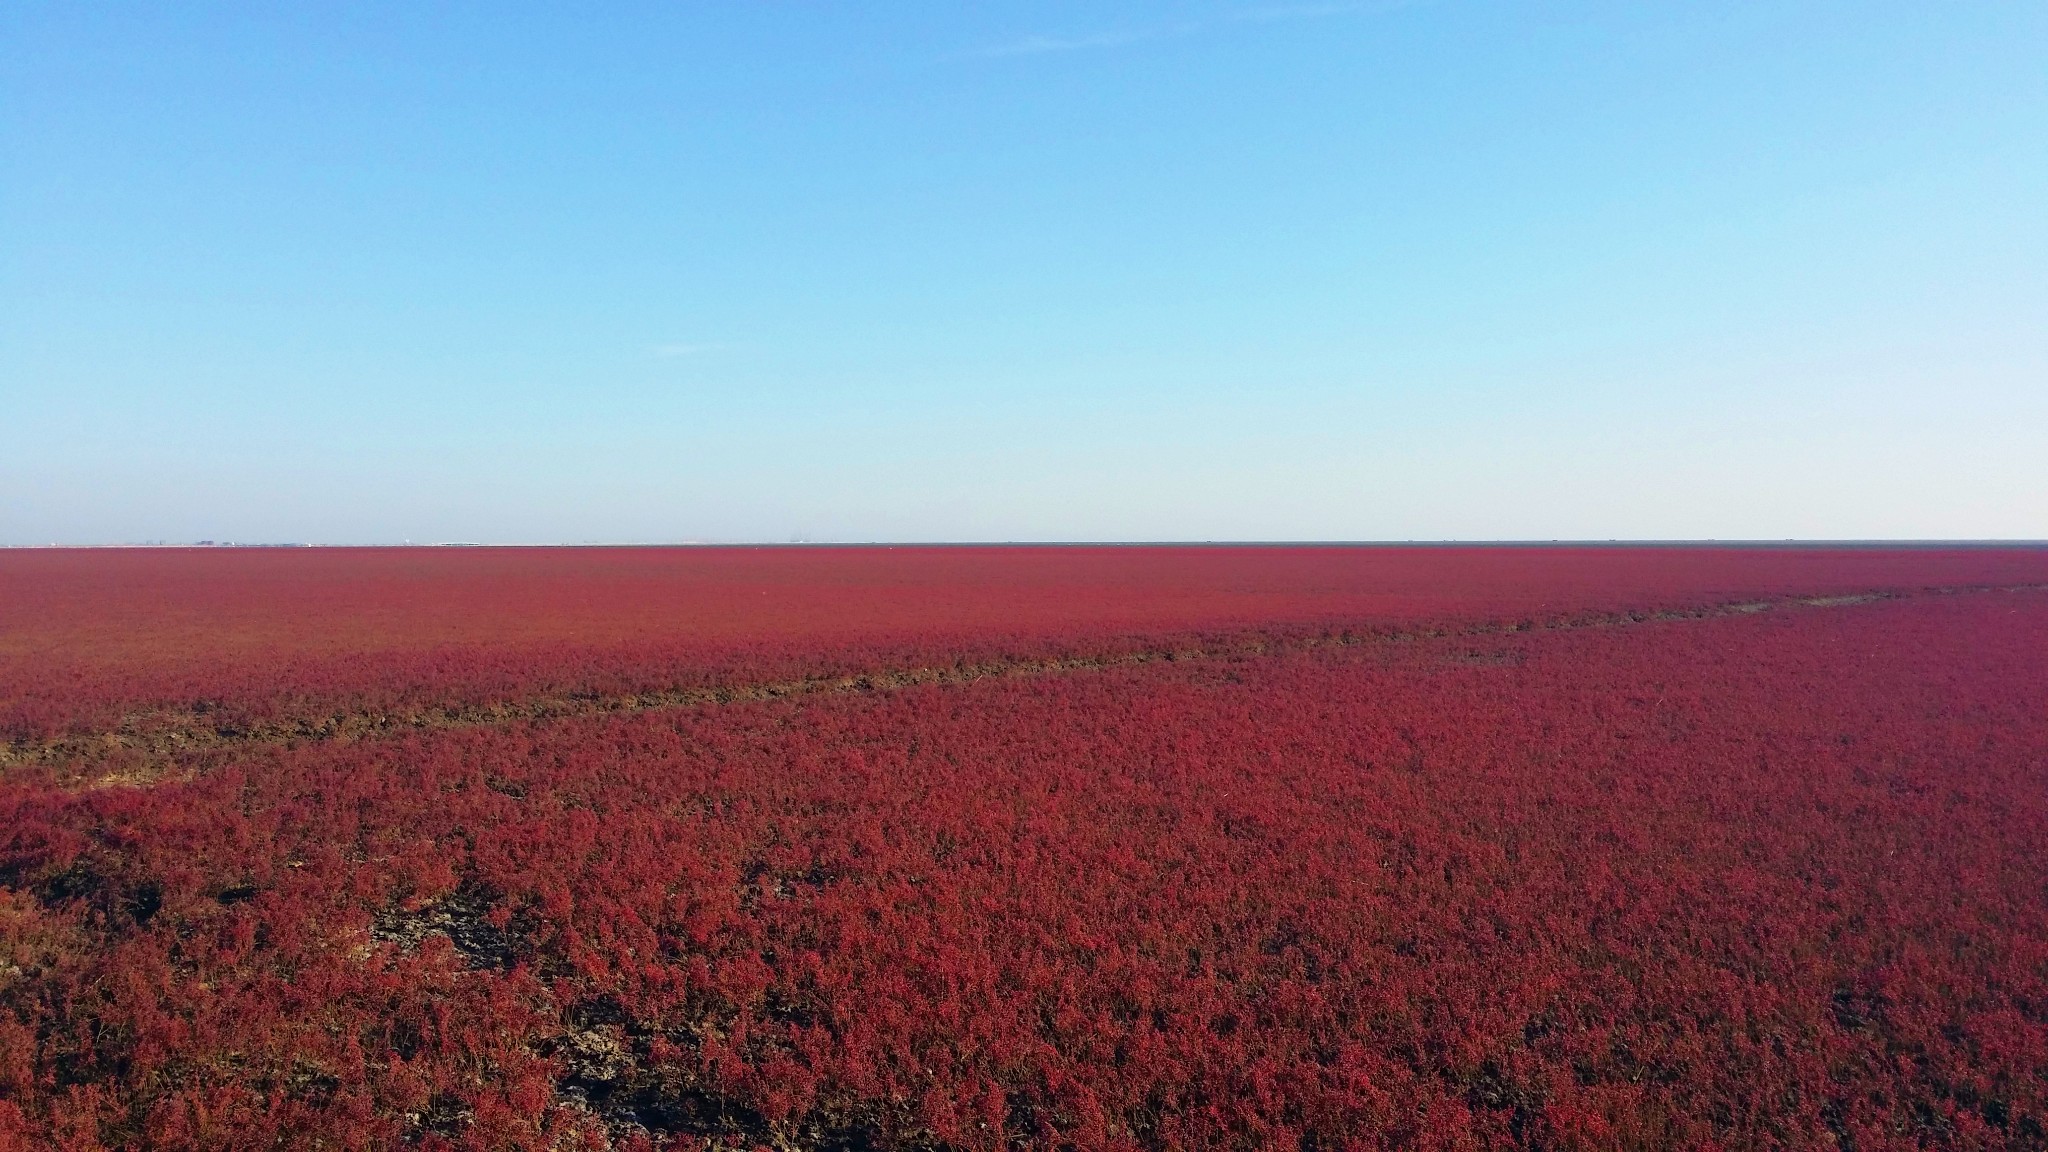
x=1877, y=543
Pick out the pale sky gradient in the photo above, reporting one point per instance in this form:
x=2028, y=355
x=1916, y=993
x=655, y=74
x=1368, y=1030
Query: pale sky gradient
x=1023, y=271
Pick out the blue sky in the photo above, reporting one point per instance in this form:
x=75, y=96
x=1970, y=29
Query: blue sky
x=1004, y=271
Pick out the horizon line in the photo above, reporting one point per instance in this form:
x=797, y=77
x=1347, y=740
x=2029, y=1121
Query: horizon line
x=1443, y=542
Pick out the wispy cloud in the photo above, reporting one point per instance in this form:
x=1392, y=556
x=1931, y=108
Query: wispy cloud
x=682, y=348
x=1274, y=13
x=1040, y=44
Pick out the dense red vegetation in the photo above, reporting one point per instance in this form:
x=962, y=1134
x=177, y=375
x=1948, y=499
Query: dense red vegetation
x=87, y=637
x=1747, y=878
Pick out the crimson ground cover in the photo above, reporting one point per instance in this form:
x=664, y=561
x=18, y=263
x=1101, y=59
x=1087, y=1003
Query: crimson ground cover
x=1513, y=848
x=88, y=638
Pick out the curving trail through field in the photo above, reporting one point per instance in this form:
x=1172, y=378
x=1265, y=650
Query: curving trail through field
x=149, y=746
x=1546, y=849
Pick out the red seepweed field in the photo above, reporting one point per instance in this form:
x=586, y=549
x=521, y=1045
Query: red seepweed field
x=980, y=848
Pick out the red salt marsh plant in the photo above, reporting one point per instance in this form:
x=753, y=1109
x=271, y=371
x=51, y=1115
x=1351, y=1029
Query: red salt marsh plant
x=1734, y=879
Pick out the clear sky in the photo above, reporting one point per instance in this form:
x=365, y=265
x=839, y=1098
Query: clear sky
x=368, y=273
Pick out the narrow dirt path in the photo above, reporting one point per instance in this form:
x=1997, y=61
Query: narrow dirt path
x=153, y=746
